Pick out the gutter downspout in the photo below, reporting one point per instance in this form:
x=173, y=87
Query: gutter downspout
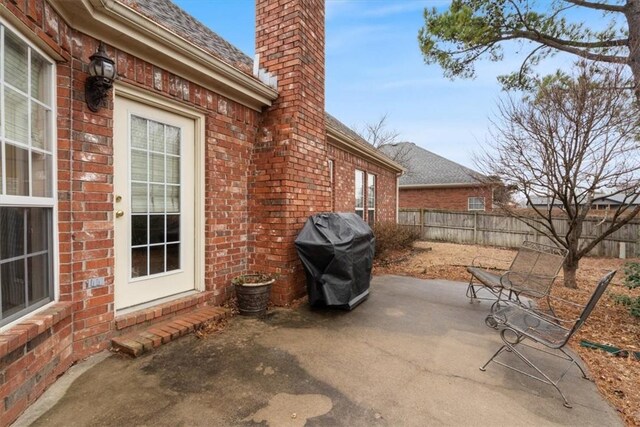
x=398, y=175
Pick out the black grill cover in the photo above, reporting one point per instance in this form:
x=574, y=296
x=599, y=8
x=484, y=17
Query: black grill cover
x=337, y=252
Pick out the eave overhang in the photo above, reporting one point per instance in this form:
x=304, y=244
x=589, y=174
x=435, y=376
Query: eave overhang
x=348, y=143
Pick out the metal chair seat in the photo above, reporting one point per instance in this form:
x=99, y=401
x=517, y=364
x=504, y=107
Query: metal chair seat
x=487, y=278
x=533, y=325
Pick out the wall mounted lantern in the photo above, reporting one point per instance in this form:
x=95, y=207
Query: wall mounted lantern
x=102, y=72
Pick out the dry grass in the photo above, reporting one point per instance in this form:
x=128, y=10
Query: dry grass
x=617, y=378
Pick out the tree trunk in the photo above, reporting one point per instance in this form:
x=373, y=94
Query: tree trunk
x=633, y=20
x=570, y=268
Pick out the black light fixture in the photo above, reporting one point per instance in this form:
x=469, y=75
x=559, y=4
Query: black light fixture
x=102, y=72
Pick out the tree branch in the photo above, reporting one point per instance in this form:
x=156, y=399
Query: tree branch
x=599, y=6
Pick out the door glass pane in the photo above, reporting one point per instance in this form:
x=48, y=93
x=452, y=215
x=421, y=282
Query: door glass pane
x=138, y=262
x=173, y=140
x=139, y=230
x=17, y=170
x=173, y=170
x=138, y=197
x=155, y=193
x=173, y=199
x=173, y=228
x=16, y=116
x=15, y=61
x=156, y=201
x=156, y=136
x=156, y=259
x=173, y=257
x=138, y=132
x=138, y=165
x=156, y=229
x=157, y=167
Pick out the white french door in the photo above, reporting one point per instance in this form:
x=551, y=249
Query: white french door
x=154, y=202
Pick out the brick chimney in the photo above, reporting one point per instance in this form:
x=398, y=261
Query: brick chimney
x=289, y=176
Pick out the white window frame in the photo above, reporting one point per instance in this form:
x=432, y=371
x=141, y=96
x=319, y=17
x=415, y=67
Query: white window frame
x=359, y=209
x=30, y=201
x=473, y=201
x=371, y=197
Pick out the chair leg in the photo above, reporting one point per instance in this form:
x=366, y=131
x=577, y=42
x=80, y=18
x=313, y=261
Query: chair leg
x=584, y=375
x=471, y=291
x=511, y=347
x=500, y=350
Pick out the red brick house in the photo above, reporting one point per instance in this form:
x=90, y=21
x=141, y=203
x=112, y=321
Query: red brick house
x=433, y=182
x=193, y=171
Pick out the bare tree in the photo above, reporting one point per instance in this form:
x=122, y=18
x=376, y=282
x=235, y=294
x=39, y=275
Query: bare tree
x=378, y=134
x=575, y=137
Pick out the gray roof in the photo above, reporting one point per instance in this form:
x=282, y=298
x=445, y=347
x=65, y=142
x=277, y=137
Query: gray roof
x=599, y=199
x=170, y=16
x=427, y=168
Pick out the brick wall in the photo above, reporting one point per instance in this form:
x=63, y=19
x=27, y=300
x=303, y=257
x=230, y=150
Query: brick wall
x=290, y=179
x=454, y=198
x=85, y=205
x=343, y=192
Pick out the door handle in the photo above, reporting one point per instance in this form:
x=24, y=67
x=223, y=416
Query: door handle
x=119, y=213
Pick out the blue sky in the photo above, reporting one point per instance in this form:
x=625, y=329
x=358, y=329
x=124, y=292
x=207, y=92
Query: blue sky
x=374, y=67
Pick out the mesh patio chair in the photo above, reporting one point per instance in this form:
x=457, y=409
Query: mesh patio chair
x=519, y=324
x=534, y=268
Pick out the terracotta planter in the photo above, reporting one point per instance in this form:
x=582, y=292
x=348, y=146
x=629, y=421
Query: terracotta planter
x=253, y=292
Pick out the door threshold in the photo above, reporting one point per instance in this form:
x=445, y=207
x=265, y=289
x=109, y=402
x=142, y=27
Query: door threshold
x=155, y=302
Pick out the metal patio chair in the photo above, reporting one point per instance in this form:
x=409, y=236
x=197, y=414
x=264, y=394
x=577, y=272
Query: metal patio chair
x=534, y=268
x=517, y=324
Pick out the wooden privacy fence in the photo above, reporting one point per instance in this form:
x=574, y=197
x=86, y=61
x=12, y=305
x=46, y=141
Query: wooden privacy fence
x=500, y=230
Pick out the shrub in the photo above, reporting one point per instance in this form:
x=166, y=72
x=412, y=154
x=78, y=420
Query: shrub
x=631, y=281
x=632, y=274
x=391, y=236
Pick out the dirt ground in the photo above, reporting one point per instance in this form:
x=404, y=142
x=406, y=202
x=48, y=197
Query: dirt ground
x=617, y=378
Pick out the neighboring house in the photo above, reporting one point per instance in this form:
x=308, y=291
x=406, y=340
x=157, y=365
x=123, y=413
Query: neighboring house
x=433, y=182
x=193, y=171
x=601, y=201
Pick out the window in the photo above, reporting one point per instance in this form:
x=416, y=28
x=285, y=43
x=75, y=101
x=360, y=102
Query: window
x=371, y=199
x=476, y=203
x=360, y=193
x=26, y=177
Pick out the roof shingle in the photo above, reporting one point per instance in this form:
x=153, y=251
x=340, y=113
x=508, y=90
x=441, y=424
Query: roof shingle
x=170, y=16
x=427, y=168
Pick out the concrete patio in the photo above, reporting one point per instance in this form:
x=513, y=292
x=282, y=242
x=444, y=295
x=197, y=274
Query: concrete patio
x=407, y=356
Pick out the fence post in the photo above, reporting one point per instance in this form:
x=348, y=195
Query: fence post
x=422, y=223
x=475, y=228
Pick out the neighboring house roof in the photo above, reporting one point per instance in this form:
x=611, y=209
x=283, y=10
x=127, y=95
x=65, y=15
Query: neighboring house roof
x=427, y=169
x=599, y=199
x=172, y=17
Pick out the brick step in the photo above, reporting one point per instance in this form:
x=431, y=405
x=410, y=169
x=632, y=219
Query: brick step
x=139, y=342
